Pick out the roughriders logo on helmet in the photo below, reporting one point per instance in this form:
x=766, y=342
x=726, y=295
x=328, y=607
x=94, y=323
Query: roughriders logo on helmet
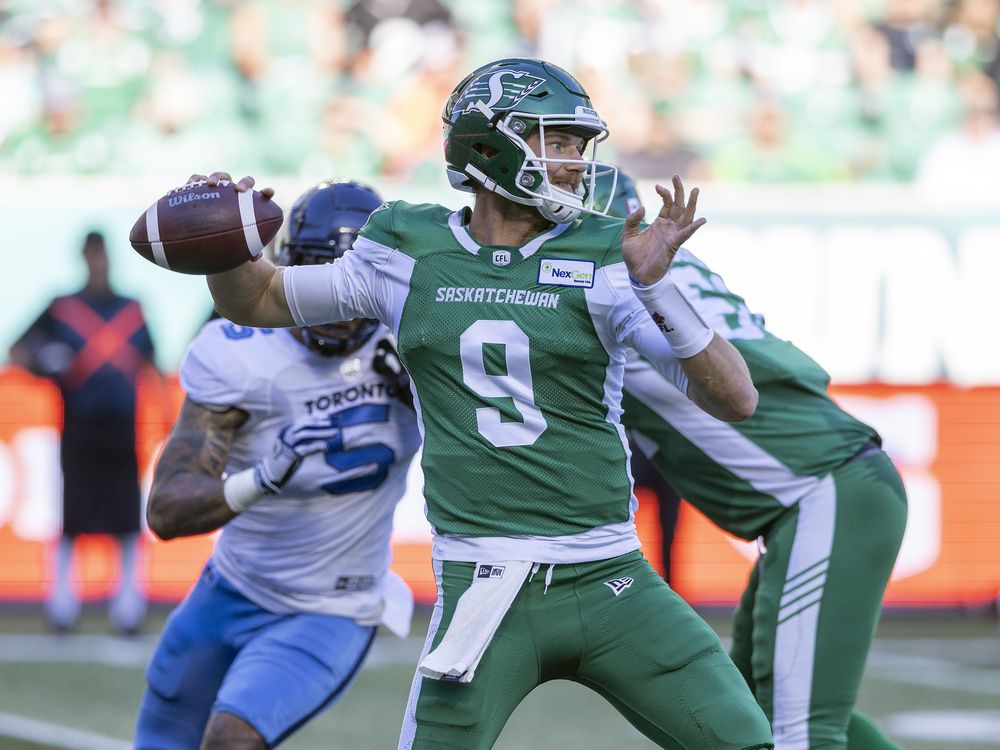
x=498, y=90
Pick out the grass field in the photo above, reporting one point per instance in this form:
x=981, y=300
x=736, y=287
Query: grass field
x=933, y=683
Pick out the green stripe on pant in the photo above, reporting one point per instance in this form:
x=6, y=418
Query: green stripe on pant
x=806, y=620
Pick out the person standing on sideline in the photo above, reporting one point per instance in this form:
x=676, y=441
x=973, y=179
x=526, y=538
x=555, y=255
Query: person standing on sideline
x=297, y=444
x=807, y=480
x=92, y=345
x=513, y=319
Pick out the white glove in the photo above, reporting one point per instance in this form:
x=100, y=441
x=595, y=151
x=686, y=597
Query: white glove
x=294, y=442
x=272, y=473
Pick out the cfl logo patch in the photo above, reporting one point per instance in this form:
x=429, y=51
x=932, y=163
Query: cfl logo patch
x=661, y=323
x=501, y=258
x=490, y=571
x=618, y=585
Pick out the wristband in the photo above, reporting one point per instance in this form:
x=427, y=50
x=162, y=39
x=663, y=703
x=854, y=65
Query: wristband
x=686, y=331
x=241, y=490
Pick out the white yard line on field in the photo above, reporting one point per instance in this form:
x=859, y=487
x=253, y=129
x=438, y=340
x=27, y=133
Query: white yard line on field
x=983, y=652
x=883, y=664
x=931, y=672
x=55, y=735
x=946, y=726
x=134, y=653
x=85, y=649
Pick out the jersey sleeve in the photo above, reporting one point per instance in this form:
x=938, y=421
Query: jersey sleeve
x=648, y=341
x=212, y=374
x=353, y=286
x=629, y=324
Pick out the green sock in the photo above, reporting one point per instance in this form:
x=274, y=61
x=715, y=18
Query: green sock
x=862, y=734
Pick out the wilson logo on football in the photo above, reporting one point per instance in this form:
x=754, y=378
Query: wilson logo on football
x=177, y=200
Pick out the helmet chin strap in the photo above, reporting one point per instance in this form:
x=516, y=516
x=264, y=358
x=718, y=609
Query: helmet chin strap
x=560, y=213
x=335, y=347
x=557, y=213
x=322, y=345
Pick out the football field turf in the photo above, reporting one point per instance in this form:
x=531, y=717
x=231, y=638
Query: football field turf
x=933, y=682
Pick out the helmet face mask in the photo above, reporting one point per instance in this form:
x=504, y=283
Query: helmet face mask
x=323, y=224
x=556, y=203
x=619, y=197
x=491, y=114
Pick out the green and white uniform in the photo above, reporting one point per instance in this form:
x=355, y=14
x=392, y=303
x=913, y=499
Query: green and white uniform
x=807, y=478
x=518, y=382
x=517, y=357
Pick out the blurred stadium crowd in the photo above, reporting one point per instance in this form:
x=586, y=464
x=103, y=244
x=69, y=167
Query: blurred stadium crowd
x=738, y=90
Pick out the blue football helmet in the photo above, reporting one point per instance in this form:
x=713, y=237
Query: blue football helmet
x=322, y=226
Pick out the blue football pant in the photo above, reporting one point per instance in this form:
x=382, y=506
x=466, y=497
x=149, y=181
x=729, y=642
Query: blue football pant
x=220, y=652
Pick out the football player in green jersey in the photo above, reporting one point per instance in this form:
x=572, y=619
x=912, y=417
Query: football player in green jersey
x=513, y=320
x=804, y=477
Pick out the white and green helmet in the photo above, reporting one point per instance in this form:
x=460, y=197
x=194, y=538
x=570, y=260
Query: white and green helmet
x=495, y=108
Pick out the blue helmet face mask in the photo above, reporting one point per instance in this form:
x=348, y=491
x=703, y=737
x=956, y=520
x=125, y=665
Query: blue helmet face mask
x=322, y=226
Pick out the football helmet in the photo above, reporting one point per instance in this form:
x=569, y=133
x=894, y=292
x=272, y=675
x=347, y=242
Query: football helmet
x=618, y=197
x=492, y=112
x=322, y=226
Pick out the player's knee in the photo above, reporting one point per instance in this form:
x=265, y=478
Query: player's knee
x=228, y=732
x=750, y=734
x=741, y=724
x=161, y=725
x=729, y=716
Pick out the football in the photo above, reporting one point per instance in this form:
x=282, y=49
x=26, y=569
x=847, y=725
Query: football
x=202, y=229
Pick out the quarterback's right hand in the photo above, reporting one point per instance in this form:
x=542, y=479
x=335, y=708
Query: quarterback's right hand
x=294, y=443
x=649, y=253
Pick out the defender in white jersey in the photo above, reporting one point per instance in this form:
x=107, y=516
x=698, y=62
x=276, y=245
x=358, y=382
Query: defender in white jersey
x=286, y=608
x=807, y=479
x=513, y=319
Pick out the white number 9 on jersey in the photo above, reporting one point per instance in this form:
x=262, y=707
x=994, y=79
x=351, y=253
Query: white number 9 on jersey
x=516, y=384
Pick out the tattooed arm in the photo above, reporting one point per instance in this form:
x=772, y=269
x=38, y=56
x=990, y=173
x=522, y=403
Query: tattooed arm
x=186, y=498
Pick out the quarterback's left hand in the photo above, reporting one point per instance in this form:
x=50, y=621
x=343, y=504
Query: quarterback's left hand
x=649, y=253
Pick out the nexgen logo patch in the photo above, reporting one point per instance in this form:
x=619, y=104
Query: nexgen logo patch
x=563, y=272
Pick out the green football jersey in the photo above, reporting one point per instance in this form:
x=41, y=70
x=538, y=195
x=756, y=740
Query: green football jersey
x=743, y=474
x=517, y=357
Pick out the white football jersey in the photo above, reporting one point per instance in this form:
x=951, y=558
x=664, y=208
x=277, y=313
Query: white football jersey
x=322, y=545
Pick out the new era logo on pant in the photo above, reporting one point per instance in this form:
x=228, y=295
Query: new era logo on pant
x=618, y=585
x=490, y=571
